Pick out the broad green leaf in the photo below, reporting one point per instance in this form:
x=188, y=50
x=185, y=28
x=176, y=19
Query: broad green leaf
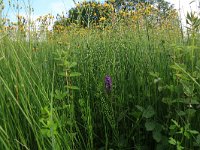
x=172, y=127
x=74, y=74
x=198, y=139
x=62, y=74
x=181, y=113
x=187, y=87
x=186, y=134
x=182, y=76
x=140, y=108
x=60, y=95
x=157, y=136
x=167, y=101
x=178, y=146
x=122, y=115
x=188, y=101
x=191, y=112
x=72, y=87
x=193, y=132
x=149, y=112
x=175, y=123
x=73, y=64
x=154, y=74
x=158, y=127
x=150, y=125
x=172, y=141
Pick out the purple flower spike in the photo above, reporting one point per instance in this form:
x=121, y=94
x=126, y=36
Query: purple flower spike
x=108, y=83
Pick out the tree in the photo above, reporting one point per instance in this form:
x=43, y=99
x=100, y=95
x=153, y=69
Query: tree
x=164, y=7
x=127, y=4
x=86, y=14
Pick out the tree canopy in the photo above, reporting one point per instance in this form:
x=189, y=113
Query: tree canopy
x=92, y=13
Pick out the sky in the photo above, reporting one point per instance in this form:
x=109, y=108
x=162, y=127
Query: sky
x=41, y=7
x=54, y=7
x=185, y=6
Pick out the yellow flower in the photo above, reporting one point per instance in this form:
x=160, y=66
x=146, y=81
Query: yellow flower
x=106, y=5
x=77, y=5
x=102, y=19
x=112, y=1
x=93, y=5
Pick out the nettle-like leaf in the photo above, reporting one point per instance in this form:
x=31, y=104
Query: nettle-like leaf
x=154, y=74
x=140, y=108
x=181, y=113
x=73, y=64
x=64, y=74
x=198, y=139
x=172, y=141
x=74, y=74
x=167, y=101
x=188, y=88
x=190, y=112
x=72, y=87
x=150, y=125
x=157, y=136
x=189, y=100
x=60, y=95
x=193, y=132
x=149, y=112
x=175, y=123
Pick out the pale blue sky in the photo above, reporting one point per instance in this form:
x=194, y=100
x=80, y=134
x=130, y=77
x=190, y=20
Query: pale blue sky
x=42, y=7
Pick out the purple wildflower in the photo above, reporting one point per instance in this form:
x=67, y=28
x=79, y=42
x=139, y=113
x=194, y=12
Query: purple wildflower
x=108, y=83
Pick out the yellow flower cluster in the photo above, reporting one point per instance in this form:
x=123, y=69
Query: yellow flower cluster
x=102, y=19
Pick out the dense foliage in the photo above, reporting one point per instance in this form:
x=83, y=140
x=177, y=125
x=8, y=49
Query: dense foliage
x=89, y=14
x=131, y=81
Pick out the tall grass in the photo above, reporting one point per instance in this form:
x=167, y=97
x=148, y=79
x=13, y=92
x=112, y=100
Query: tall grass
x=53, y=93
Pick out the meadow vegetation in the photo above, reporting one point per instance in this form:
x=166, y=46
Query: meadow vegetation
x=105, y=77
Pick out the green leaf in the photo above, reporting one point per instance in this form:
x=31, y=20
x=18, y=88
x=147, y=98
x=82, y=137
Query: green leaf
x=62, y=74
x=181, y=113
x=187, y=87
x=150, y=125
x=149, y=112
x=154, y=74
x=187, y=101
x=178, y=146
x=172, y=141
x=186, y=134
x=172, y=127
x=74, y=74
x=73, y=64
x=157, y=136
x=45, y=132
x=122, y=115
x=193, y=131
x=72, y=87
x=140, y=108
x=190, y=112
x=167, y=101
x=198, y=139
x=182, y=76
x=158, y=127
x=175, y=123
x=60, y=95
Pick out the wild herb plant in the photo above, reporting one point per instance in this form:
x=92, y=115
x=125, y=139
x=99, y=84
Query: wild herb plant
x=132, y=85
